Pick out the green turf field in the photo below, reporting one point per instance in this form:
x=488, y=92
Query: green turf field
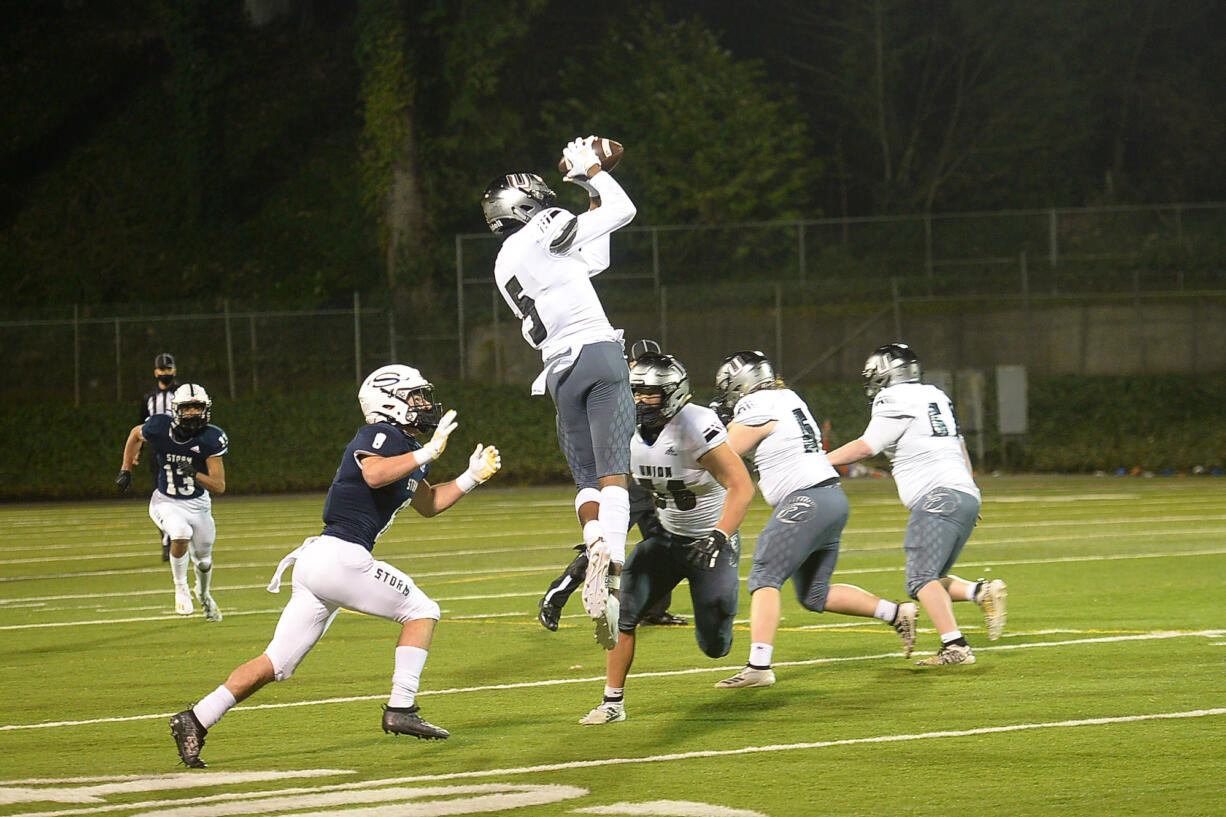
x=1106, y=696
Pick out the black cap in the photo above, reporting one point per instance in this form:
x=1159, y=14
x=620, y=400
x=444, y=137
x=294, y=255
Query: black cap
x=642, y=347
x=164, y=361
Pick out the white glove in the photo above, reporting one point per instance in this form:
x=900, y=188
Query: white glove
x=483, y=464
x=431, y=450
x=580, y=155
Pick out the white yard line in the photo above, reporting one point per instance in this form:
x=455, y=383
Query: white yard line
x=1150, y=636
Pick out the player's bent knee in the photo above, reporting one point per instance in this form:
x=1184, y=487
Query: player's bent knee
x=815, y=599
x=585, y=495
x=716, y=647
x=759, y=582
x=917, y=584
x=204, y=566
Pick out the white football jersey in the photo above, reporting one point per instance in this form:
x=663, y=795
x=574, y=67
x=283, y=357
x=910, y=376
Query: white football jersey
x=913, y=423
x=543, y=271
x=790, y=458
x=692, y=499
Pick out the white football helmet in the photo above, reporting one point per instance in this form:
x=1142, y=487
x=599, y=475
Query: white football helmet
x=190, y=395
x=654, y=373
x=399, y=395
x=888, y=365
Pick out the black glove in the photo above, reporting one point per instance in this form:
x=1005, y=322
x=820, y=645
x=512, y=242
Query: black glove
x=722, y=410
x=124, y=481
x=705, y=551
x=184, y=468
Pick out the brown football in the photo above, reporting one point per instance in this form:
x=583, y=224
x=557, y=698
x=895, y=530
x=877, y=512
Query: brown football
x=608, y=151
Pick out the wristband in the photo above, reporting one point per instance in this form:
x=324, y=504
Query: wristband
x=466, y=482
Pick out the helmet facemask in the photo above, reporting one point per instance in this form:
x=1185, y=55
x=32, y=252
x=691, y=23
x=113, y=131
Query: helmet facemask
x=511, y=201
x=741, y=374
x=190, y=408
x=399, y=395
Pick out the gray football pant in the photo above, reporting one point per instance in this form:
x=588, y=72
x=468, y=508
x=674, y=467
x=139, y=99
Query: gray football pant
x=939, y=526
x=659, y=563
x=595, y=413
x=801, y=542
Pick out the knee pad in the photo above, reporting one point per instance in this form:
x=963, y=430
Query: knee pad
x=815, y=599
x=585, y=496
x=205, y=566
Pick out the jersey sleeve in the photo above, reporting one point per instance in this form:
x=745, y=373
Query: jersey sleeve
x=217, y=444
x=380, y=439
x=705, y=431
x=592, y=228
x=752, y=410
x=884, y=430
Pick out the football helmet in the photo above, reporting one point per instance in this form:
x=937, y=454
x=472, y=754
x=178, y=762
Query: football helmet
x=399, y=395
x=188, y=396
x=740, y=374
x=889, y=365
x=511, y=201
x=654, y=373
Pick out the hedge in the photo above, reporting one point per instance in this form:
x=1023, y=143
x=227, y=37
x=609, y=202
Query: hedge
x=283, y=443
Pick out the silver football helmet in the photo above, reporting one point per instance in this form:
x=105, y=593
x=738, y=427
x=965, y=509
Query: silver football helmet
x=889, y=365
x=740, y=374
x=511, y=201
x=654, y=373
x=190, y=396
x=399, y=395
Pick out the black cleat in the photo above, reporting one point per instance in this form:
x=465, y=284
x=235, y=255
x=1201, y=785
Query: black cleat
x=665, y=619
x=405, y=721
x=189, y=738
x=548, y=615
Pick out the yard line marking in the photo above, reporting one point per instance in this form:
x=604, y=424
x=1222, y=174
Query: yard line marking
x=1149, y=636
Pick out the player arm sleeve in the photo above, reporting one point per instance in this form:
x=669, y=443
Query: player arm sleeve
x=615, y=211
x=883, y=431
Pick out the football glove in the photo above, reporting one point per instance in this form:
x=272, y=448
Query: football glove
x=721, y=410
x=705, y=552
x=431, y=450
x=484, y=463
x=124, y=481
x=581, y=156
x=185, y=469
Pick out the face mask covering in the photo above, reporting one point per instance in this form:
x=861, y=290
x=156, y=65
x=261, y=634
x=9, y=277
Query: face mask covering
x=166, y=379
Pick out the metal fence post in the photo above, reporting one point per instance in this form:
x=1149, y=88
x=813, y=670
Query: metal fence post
x=800, y=249
x=928, y=249
x=897, y=308
x=225, y=304
x=357, y=338
x=1053, y=253
x=118, y=369
x=255, y=364
x=1025, y=272
x=778, y=326
x=494, y=298
x=655, y=258
x=664, y=317
x=76, y=355
x=391, y=335
x=459, y=303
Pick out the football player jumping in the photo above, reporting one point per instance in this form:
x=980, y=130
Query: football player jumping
x=543, y=268
x=801, y=539
x=913, y=423
x=680, y=452
x=188, y=451
x=383, y=469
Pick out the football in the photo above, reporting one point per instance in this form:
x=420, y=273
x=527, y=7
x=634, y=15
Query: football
x=608, y=151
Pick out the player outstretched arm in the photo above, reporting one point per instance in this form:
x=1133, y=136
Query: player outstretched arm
x=431, y=500
x=215, y=480
x=380, y=471
x=131, y=449
x=853, y=451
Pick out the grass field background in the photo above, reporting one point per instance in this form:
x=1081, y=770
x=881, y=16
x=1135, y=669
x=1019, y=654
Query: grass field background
x=1107, y=694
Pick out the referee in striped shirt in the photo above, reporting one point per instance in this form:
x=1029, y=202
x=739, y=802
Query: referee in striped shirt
x=158, y=401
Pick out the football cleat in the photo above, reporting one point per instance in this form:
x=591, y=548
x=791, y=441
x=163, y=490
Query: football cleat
x=748, y=677
x=548, y=615
x=183, y=601
x=664, y=619
x=189, y=738
x=607, y=712
x=949, y=654
x=595, y=580
x=405, y=721
x=211, y=611
x=991, y=597
x=606, y=625
x=904, y=625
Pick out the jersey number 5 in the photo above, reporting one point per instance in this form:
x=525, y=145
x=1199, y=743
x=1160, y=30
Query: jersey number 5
x=527, y=308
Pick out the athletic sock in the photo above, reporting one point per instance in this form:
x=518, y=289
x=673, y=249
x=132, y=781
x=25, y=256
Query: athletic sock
x=760, y=655
x=614, y=695
x=615, y=520
x=406, y=677
x=972, y=590
x=205, y=578
x=953, y=637
x=213, y=706
x=887, y=611
x=178, y=570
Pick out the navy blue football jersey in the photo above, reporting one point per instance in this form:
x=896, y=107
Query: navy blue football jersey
x=211, y=442
x=353, y=510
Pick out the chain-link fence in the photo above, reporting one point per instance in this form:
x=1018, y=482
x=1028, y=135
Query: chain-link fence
x=1121, y=289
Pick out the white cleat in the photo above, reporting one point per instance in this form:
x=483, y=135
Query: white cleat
x=606, y=625
x=211, y=611
x=904, y=625
x=183, y=601
x=595, y=581
x=607, y=712
x=991, y=598
x=949, y=654
x=748, y=677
